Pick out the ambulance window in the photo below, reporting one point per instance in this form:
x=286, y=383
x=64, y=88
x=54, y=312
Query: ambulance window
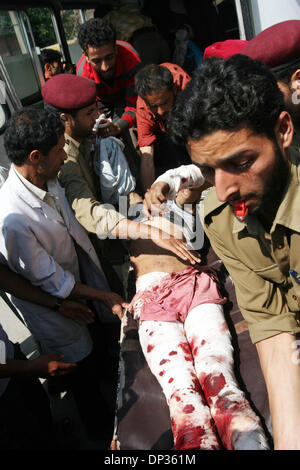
x=4, y=116
x=71, y=20
x=18, y=55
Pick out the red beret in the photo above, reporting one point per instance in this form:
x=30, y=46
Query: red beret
x=224, y=49
x=276, y=46
x=67, y=91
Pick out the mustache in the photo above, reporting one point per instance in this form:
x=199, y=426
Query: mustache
x=239, y=198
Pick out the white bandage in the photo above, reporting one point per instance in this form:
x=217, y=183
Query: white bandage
x=97, y=124
x=185, y=176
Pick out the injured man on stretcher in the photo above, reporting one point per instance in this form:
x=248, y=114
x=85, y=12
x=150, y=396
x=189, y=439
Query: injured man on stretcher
x=185, y=338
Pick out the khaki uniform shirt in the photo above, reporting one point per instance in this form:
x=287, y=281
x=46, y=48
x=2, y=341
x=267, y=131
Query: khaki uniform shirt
x=258, y=262
x=296, y=140
x=77, y=177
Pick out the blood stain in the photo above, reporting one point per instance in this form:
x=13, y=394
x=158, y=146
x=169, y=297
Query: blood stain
x=189, y=437
x=188, y=358
x=185, y=347
x=163, y=361
x=188, y=409
x=212, y=384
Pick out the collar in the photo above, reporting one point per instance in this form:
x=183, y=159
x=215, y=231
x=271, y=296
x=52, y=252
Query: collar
x=74, y=148
x=30, y=193
x=71, y=146
x=296, y=140
x=35, y=190
x=288, y=213
x=38, y=192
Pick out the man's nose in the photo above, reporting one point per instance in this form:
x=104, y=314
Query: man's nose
x=104, y=66
x=226, y=185
x=160, y=110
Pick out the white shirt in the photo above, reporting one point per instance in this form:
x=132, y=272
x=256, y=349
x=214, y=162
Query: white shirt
x=46, y=196
x=36, y=241
x=51, y=197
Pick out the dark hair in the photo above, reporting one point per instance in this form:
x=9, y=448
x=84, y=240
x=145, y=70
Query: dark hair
x=48, y=56
x=96, y=32
x=58, y=111
x=285, y=74
x=31, y=129
x=153, y=79
x=226, y=95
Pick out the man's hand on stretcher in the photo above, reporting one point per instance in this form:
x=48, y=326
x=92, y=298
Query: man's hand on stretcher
x=132, y=230
x=169, y=184
x=115, y=303
x=163, y=240
x=177, y=246
x=112, y=300
x=154, y=199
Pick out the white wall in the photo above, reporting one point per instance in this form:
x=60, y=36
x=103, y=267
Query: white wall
x=265, y=13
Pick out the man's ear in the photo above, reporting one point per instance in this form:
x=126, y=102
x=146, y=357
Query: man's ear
x=284, y=130
x=66, y=118
x=47, y=70
x=35, y=157
x=295, y=80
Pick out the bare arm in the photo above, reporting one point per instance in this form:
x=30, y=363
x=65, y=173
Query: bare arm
x=281, y=370
x=20, y=287
x=127, y=229
x=44, y=366
x=147, y=171
x=260, y=301
x=112, y=300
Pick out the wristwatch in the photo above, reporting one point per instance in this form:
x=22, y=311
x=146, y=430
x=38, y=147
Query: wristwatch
x=59, y=301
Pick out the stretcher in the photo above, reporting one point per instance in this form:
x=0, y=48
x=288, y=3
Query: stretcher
x=142, y=417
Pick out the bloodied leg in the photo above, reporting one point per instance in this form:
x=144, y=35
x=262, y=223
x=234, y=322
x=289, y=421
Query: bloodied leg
x=193, y=362
x=169, y=357
x=170, y=360
x=208, y=335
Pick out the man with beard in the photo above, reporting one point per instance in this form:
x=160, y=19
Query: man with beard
x=73, y=98
x=157, y=87
x=232, y=117
x=279, y=48
x=112, y=65
x=41, y=240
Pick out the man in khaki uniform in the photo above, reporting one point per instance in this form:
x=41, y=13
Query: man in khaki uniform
x=232, y=118
x=74, y=99
x=279, y=48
